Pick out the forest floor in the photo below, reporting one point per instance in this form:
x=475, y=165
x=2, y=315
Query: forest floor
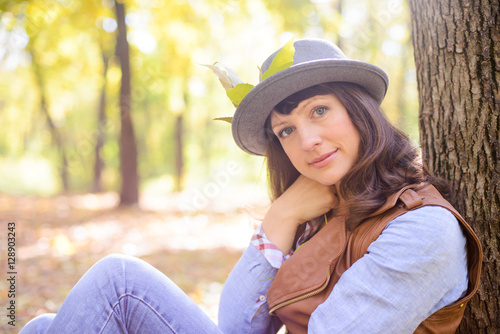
x=59, y=238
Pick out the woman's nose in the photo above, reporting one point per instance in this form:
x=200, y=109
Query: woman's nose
x=309, y=137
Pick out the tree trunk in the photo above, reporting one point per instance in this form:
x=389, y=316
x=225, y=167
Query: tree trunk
x=54, y=132
x=101, y=122
x=457, y=56
x=179, y=156
x=128, y=151
x=338, y=8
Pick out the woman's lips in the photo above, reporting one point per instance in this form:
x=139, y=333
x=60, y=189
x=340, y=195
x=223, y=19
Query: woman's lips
x=323, y=159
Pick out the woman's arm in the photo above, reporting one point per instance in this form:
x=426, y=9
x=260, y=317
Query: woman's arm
x=304, y=200
x=417, y=266
x=243, y=305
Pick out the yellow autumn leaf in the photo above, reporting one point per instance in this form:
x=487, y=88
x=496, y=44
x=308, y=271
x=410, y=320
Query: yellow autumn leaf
x=225, y=119
x=237, y=93
x=282, y=60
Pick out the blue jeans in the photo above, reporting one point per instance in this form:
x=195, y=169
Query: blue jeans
x=121, y=294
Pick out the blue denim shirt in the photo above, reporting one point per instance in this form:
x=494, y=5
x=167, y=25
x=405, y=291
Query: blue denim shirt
x=417, y=266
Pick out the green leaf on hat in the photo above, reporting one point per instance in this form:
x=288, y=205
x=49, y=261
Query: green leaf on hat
x=225, y=119
x=237, y=93
x=282, y=60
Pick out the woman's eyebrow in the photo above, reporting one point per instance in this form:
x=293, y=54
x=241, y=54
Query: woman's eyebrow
x=277, y=125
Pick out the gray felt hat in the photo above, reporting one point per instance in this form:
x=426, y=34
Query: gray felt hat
x=315, y=61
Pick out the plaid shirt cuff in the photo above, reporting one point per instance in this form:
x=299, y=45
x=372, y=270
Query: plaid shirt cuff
x=272, y=253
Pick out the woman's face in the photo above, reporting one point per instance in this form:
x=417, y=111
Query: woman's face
x=319, y=138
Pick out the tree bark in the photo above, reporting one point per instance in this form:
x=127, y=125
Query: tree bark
x=179, y=156
x=55, y=134
x=457, y=56
x=128, y=150
x=338, y=8
x=101, y=122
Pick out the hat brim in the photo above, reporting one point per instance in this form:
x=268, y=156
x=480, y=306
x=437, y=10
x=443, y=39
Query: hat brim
x=250, y=116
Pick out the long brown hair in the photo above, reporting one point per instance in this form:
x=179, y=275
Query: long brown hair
x=387, y=161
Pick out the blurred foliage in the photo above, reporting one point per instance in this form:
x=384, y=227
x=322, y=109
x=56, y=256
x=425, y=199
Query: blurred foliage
x=55, y=49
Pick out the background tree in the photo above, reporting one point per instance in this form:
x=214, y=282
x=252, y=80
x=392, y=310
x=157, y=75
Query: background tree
x=57, y=136
x=128, y=150
x=457, y=56
x=41, y=67
x=107, y=46
x=101, y=124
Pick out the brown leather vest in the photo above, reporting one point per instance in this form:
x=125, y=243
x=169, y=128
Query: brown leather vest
x=306, y=279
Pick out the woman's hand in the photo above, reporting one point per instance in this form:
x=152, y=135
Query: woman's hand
x=304, y=200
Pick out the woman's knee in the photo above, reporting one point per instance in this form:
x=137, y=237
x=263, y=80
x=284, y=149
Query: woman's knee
x=116, y=263
x=113, y=261
x=118, y=266
x=39, y=324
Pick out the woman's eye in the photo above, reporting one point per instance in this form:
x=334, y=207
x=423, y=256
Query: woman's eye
x=285, y=132
x=320, y=111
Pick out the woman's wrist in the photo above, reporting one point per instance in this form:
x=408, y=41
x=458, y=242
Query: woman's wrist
x=280, y=227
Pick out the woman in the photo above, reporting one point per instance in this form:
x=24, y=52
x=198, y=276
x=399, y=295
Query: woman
x=356, y=240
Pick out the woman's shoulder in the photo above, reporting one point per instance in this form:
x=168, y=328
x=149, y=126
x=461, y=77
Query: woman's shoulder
x=429, y=213
x=427, y=225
